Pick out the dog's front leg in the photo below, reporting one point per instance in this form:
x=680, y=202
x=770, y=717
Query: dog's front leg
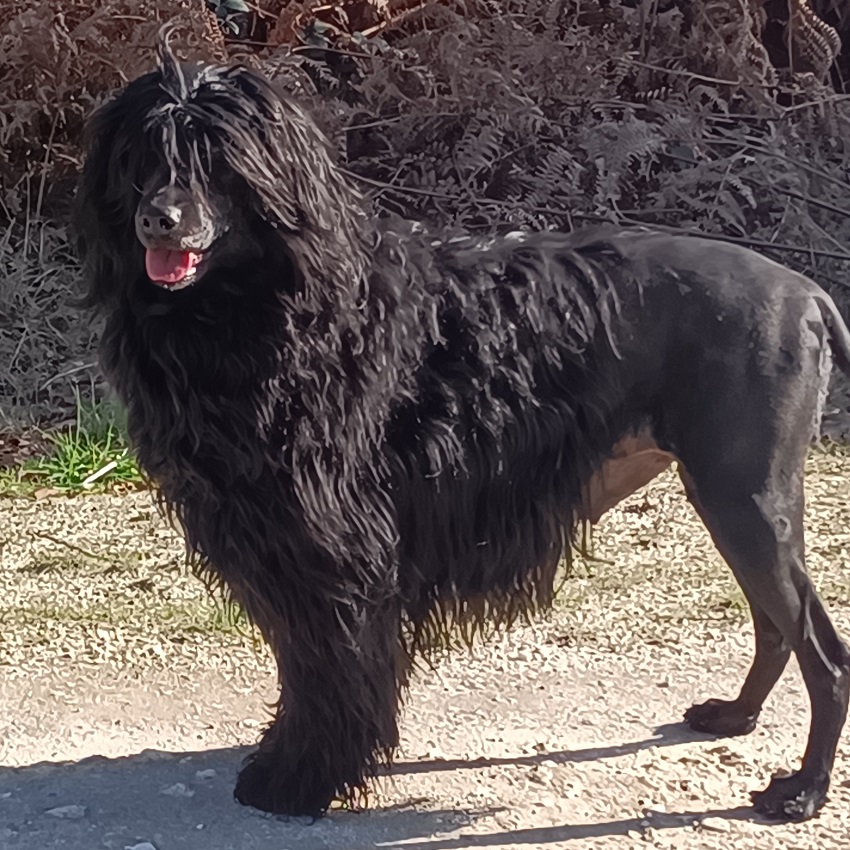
x=341, y=668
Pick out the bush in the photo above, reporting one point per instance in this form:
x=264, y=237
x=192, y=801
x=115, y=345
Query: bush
x=58, y=59
x=482, y=114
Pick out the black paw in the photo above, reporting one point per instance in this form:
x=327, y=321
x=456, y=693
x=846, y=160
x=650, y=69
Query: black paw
x=266, y=785
x=790, y=798
x=721, y=717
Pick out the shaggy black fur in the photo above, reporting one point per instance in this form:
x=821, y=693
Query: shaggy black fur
x=372, y=435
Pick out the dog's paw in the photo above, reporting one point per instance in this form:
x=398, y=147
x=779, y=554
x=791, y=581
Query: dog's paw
x=264, y=785
x=790, y=798
x=721, y=717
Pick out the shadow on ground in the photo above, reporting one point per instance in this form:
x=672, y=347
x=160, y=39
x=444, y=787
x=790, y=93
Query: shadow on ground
x=183, y=801
x=666, y=735
x=179, y=801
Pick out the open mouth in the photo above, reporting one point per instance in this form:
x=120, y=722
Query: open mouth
x=172, y=269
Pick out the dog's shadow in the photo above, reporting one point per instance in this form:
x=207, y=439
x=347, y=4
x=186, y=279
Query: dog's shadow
x=666, y=735
x=184, y=800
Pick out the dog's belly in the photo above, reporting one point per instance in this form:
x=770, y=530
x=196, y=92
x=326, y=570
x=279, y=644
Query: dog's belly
x=634, y=462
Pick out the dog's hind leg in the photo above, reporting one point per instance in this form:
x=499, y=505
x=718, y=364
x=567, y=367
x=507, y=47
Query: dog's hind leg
x=740, y=715
x=743, y=459
x=762, y=540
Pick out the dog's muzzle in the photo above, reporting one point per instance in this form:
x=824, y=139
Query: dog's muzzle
x=158, y=227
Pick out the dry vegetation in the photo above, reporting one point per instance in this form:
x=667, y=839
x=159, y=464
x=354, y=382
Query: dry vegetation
x=720, y=116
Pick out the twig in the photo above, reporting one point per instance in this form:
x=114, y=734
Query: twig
x=768, y=152
x=826, y=235
x=42, y=182
x=721, y=237
x=716, y=202
x=81, y=367
x=678, y=72
x=59, y=542
x=378, y=122
x=445, y=196
x=745, y=240
x=815, y=203
x=833, y=98
x=104, y=470
x=307, y=48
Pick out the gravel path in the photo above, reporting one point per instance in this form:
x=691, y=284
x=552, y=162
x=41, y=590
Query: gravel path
x=128, y=699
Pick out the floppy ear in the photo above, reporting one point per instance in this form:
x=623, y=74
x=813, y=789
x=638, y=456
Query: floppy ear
x=284, y=157
x=107, y=195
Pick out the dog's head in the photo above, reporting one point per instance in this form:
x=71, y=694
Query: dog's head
x=193, y=170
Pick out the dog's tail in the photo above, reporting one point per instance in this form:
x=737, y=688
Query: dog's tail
x=839, y=333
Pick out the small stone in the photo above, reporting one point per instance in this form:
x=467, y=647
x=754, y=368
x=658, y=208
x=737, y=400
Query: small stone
x=72, y=812
x=178, y=790
x=715, y=824
x=204, y=775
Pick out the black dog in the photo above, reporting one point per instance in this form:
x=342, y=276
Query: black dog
x=372, y=435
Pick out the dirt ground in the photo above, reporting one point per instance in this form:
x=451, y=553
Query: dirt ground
x=128, y=699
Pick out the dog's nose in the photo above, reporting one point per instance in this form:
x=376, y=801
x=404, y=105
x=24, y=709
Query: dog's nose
x=159, y=221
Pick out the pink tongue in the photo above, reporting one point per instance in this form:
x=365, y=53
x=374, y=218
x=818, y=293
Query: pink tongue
x=169, y=267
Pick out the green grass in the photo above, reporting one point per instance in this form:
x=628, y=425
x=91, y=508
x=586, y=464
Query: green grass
x=91, y=455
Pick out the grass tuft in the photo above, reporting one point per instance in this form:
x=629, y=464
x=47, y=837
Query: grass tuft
x=90, y=455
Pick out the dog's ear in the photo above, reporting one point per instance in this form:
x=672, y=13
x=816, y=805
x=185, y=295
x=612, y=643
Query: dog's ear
x=286, y=160
x=106, y=198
